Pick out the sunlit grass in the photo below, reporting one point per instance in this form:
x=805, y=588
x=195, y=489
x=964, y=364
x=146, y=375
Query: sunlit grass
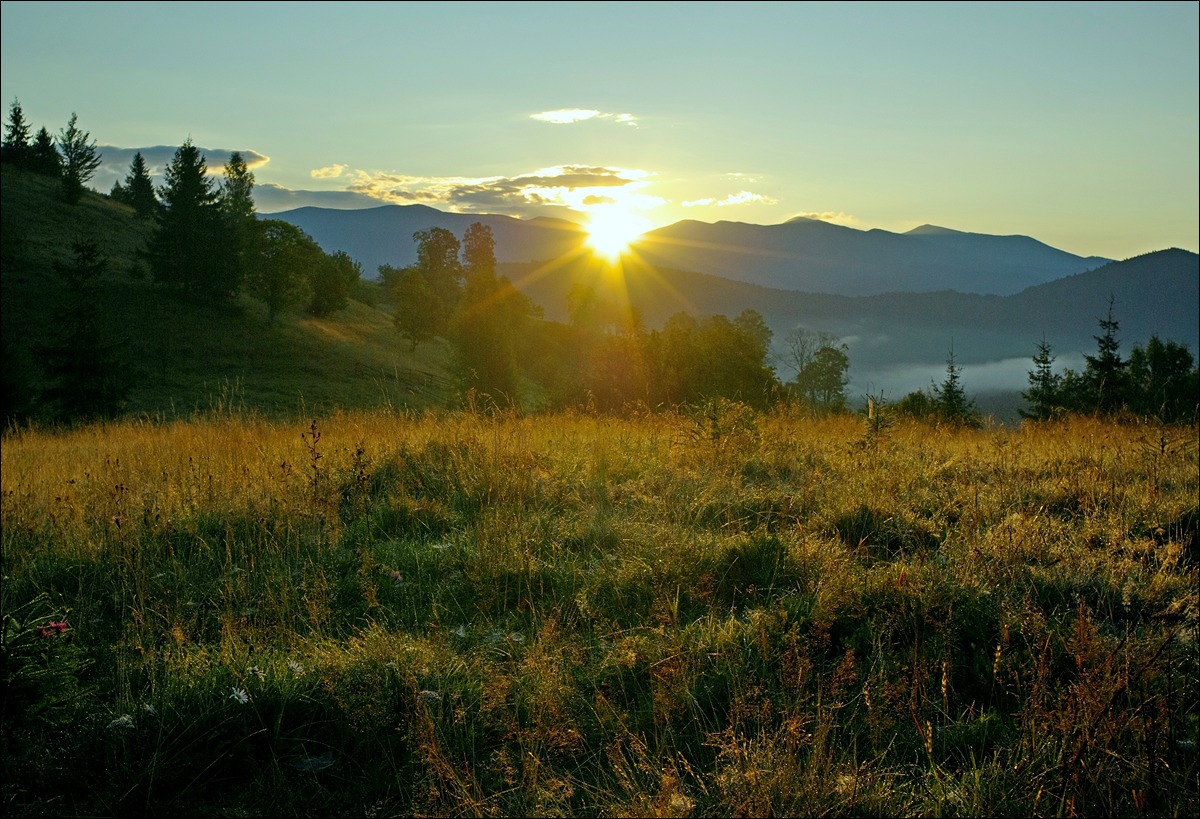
x=662, y=614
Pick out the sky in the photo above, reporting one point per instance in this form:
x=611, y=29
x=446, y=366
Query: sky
x=1075, y=123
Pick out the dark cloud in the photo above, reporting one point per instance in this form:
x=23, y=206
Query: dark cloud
x=115, y=162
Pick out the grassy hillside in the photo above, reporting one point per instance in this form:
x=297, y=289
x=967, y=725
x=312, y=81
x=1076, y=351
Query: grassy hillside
x=187, y=358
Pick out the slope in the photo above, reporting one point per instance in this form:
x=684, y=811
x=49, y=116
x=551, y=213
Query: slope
x=185, y=357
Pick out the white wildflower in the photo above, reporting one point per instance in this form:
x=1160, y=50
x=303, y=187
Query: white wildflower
x=430, y=696
x=123, y=721
x=240, y=695
x=258, y=672
x=296, y=667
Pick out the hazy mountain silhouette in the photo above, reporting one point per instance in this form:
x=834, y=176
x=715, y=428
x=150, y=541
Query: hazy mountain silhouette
x=384, y=235
x=819, y=257
x=802, y=254
x=890, y=334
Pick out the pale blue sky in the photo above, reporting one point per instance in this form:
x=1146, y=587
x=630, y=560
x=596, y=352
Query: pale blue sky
x=1075, y=123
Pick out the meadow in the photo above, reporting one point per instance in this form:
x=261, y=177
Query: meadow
x=712, y=613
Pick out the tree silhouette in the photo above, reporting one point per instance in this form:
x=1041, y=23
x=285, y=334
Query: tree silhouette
x=16, y=147
x=1104, y=374
x=281, y=263
x=1044, y=394
x=951, y=400
x=191, y=251
x=333, y=282
x=491, y=314
x=1162, y=381
x=44, y=156
x=138, y=190
x=84, y=363
x=80, y=159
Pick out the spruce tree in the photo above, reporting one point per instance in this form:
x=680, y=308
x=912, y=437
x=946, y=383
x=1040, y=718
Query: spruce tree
x=191, y=251
x=84, y=363
x=16, y=150
x=1105, y=373
x=44, y=156
x=1043, y=394
x=951, y=400
x=139, y=188
x=80, y=159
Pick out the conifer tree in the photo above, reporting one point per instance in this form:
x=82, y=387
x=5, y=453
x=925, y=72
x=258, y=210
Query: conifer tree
x=191, y=251
x=1105, y=373
x=1044, y=394
x=16, y=150
x=237, y=189
x=80, y=159
x=84, y=364
x=951, y=400
x=44, y=156
x=139, y=188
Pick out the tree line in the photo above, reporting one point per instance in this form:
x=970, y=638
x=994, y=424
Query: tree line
x=208, y=245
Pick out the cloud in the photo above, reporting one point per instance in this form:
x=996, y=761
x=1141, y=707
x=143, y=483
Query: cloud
x=560, y=186
x=115, y=162
x=567, y=116
x=328, y=172
x=271, y=198
x=740, y=198
x=838, y=218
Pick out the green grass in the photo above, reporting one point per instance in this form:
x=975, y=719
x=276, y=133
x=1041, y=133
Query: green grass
x=566, y=614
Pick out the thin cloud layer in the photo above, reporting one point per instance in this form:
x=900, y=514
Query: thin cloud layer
x=739, y=198
x=837, y=218
x=563, y=186
x=568, y=116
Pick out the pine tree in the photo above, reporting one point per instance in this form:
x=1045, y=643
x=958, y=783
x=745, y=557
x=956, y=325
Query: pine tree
x=17, y=150
x=139, y=188
x=237, y=190
x=84, y=363
x=80, y=159
x=1043, y=394
x=191, y=251
x=1105, y=374
x=953, y=406
x=44, y=156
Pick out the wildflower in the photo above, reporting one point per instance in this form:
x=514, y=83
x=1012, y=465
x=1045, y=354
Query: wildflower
x=442, y=545
x=150, y=709
x=430, y=696
x=123, y=721
x=296, y=667
x=240, y=695
x=460, y=631
x=258, y=672
x=53, y=627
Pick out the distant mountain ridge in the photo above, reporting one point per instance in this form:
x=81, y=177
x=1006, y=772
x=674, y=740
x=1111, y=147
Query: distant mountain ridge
x=819, y=257
x=802, y=254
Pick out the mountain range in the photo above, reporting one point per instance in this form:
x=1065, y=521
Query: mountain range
x=802, y=254
x=901, y=302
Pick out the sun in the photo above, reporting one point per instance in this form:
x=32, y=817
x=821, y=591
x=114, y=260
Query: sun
x=611, y=230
